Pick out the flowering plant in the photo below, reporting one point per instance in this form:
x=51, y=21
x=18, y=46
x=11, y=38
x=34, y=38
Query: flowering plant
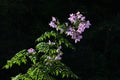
x=46, y=56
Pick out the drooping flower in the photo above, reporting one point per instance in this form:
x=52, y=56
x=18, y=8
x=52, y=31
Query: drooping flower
x=52, y=24
x=87, y=24
x=76, y=36
x=31, y=50
x=83, y=18
x=81, y=27
x=53, y=19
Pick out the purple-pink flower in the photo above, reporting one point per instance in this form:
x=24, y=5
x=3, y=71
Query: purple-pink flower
x=53, y=23
x=70, y=31
x=87, y=24
x=53, y=19
x=78, y=15
x=72, y=18
x=31, y=50
x=75, y=17
x=82, y=18
x=76, y=36
x=81, y=27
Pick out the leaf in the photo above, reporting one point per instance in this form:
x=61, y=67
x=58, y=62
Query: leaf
x=19, y=58
x=60, y=68
x=63, y=75
x=46, y=35
x=42, y=47
x=57, y=72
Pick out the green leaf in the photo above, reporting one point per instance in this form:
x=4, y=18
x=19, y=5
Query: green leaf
x=42, y=47
x=63, y=75
x=46, y=35
x=57, y=72
x=19, y=58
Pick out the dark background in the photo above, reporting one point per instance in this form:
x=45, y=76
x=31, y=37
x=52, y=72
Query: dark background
x=96, y=56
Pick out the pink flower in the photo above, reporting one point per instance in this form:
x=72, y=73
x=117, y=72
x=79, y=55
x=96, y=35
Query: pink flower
x=70, y=31
x=72, y=18
x=79, y=15
x=81, y=27
x=54, y=19
x=78, y=25
x=31, y=50
x=82, y=18
x=52, y=24
x=87, y=24
x=78, y=38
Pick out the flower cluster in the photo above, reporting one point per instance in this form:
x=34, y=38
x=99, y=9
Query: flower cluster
x=54, y=24
x=74, y=34
x=74, y=17
x=78, y=25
